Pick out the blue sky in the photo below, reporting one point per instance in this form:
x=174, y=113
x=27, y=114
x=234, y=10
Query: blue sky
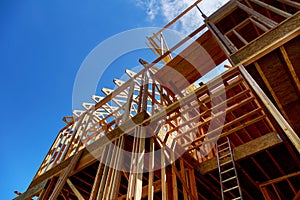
x=42, y=45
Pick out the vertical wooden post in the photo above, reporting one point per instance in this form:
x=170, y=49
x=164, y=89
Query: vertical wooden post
x=163, y=176
x=133, y=163
x=182, y=172
x=223, y=41
x=174, y=178
x=151, y=170
x=105, y=172
x=140, y=164
x=117, y=172
x=98, y=175
x=64, y=176
x=193, y=183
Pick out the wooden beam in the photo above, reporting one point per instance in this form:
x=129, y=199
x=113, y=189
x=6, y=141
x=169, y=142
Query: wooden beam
x=285, y=126
x=225, y=41
x=156, y=188
x=290, y=3
x=212, y=136
x=140, y=163
x=243, y=151
x=257, y=15
x=297, y=196
x=97, y=181
x=222, y=12
x=119, y=131
x=270, y=88
x=92, y=150
x=64, y=176
x=266, y=43
x=239, y=26
x=32, y=191
x=240, y=37
x=279, y=179
x=259, y=25
x=151, y=170
x=178, y=17
x=163, y=178
x=182, y=177
x=74, y=189
x=272, y=8
x=110, y=181
x=290, y=67
x=174, y=179
x=117, y=173
x=105, y=172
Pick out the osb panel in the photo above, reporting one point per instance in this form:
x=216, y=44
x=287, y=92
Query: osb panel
x=293, y=50
x=277, y=75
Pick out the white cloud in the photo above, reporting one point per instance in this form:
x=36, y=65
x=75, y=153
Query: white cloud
x=169, y=9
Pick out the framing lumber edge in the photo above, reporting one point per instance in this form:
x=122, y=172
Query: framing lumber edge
x=245, y=150
x=285, y=126
x=89, y=153
x=267, y=42
x=33, y=191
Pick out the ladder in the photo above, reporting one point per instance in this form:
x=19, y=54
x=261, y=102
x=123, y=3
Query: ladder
x=227, y=171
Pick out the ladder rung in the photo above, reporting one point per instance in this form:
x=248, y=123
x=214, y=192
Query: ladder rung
x=237, y=198
x=223, y=149
x=231, y=178
x=231, y=189
x=222, y=144
x=222, y=164
x=224, y=156
x=228, y=170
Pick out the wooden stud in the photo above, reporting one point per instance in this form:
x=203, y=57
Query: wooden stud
x=32, y=191
x=140, y=164
x=268, y=42
x=290, y=67
x=282, y=178
x=239, y=26
x=74, y=189
x=265, y=193
x=272, y=8
x=110, y=181
x=64, y=176
x=291, y=134
x=290, y=3
x=240, y=37
x=163, y=178
x=297, y=196
x=259, y=25
x=281, y=171
x=117, y=175
x=174, y=178
x=178, y=17
x=105, y=172
x=259, y=16
x=151, y=170
x=243, y=151
x=193, y=185
x=182, y=175
x=225, y=41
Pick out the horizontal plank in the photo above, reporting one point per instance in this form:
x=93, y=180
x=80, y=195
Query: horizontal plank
x=250, y=148
x=32, y=191
x=267, y=42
